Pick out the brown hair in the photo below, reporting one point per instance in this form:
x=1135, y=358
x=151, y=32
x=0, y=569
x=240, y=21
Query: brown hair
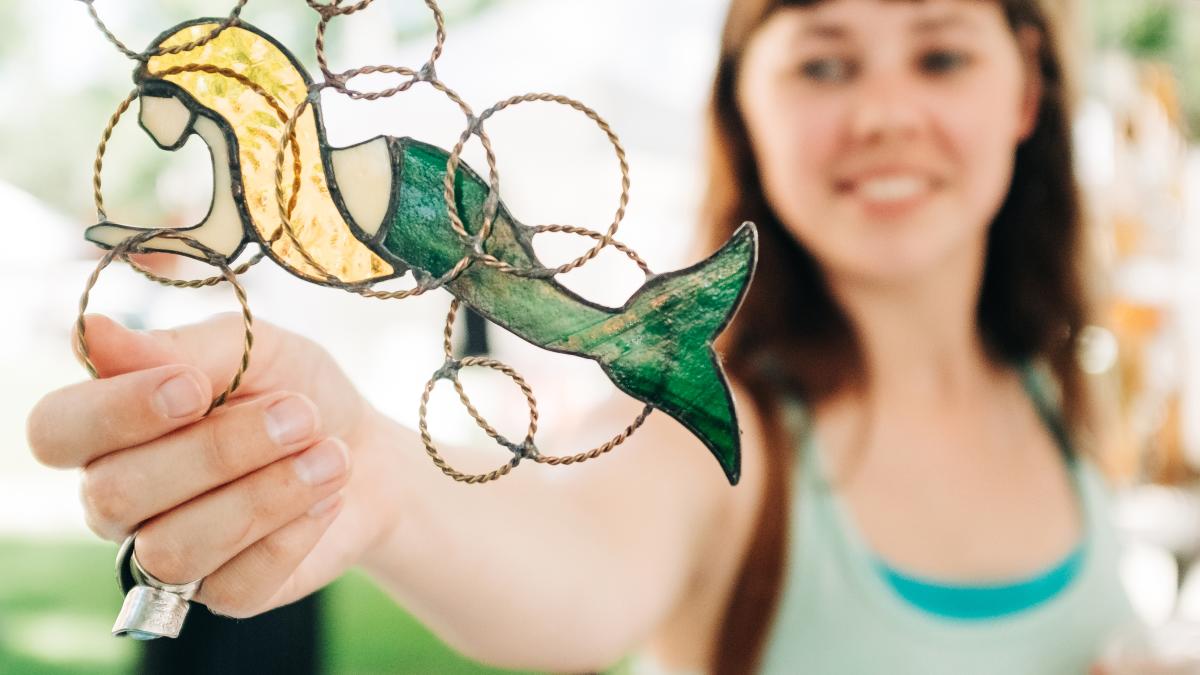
x=790, y=333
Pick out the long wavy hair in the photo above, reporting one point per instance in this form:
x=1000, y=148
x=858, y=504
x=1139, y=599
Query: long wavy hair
x=791, y=334
x=257, y=128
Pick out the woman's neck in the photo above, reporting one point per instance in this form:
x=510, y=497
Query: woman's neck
x=931, y=395
x=919, y=339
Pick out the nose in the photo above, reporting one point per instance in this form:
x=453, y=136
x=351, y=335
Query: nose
x=886, y=106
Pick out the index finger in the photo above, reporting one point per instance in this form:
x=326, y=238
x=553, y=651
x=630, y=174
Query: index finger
x=71, y=426
x=212, y=345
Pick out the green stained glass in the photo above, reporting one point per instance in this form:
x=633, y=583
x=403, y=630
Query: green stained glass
x=375, y=210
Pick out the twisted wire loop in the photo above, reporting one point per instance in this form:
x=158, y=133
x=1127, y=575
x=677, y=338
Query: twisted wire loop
x=584, y=232
x=600, y=449
x=334, y=8
x=462, y=394
x=449, y=371
x=527, y=448
x=282, y=114
x=102, y=215
x=230, y=20
x=287, y=137
x=132, y=245
x=98, y=164
x=106, y=136
x=476, y=128
x=287, y=202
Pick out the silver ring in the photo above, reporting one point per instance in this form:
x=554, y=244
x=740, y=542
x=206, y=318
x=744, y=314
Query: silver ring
x=152, y=608
x=140, y=575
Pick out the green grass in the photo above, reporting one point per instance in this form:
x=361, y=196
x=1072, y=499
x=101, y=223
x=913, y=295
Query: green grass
x=355, y=645
x=57, y=604
x=58, y=600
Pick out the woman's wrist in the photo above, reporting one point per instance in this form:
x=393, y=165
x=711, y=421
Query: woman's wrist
x=384, y=489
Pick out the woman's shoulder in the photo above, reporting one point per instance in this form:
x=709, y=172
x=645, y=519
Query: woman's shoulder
x=742, y=503
x=664, y=451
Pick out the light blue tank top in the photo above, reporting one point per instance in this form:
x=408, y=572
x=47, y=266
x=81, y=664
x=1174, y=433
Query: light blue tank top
x=840, y=613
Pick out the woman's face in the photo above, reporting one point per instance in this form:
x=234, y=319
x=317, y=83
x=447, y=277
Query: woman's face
x=885, y=131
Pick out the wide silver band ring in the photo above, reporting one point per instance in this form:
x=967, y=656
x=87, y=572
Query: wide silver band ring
x=140, y=575
x=152, y=608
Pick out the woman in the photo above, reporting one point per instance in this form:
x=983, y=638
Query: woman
x=908, y=166
x=919, y=155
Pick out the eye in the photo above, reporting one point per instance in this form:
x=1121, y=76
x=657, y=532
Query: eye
x=942, y=61
x=830, y=69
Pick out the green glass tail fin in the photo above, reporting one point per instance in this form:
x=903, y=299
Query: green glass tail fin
x=671, y=322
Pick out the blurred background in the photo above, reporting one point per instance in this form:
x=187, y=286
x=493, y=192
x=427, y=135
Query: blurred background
x=645, y=67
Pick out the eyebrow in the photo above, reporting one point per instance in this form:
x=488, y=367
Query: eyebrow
x=824, y=29
x=933, y=24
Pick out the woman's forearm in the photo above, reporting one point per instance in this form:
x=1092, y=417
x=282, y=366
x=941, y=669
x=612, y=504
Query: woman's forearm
x=543, y=568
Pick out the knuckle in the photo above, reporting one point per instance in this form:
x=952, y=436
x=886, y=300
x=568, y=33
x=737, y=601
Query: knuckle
x=40, y=434
x=35, y=433
x=164, y=556
x=103, y=529
x=106, y=502
x=228, y=597
x=170, y=336
x=276, y=552
x=222, y=451
x=276, y=348
x=228, y=322
x=241, y=535
x=229, y=319
x=262, y=500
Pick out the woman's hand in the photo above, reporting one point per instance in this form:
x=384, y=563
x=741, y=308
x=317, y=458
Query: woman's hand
x=253, y=498
x=550, y=569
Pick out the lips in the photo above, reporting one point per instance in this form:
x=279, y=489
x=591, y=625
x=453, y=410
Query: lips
x=892, y=188
x=888, y=190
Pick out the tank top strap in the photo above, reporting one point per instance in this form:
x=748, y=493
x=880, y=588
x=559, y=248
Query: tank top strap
x=798, y=422
x=1046, y=395
x=796, y=418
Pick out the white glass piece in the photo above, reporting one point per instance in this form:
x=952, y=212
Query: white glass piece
x=221, y=230
x=364, y=179
x=166, y=118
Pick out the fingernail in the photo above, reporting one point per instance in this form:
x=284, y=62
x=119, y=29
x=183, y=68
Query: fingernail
x=325, y=505
x=323, y=462
x=290, y=420
x=179, y=396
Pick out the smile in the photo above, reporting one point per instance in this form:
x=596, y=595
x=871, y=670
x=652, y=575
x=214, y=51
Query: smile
x=893, y=189
x=889, y=194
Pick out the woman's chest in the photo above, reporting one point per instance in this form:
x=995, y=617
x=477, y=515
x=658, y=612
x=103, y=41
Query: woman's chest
x=983, y=495
x=975, y=516
x=839, y=614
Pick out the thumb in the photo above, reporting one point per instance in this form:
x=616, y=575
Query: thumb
x=115, y=350
x=215, y=346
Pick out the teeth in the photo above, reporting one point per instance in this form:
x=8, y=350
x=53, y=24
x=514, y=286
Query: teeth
x=891, y=189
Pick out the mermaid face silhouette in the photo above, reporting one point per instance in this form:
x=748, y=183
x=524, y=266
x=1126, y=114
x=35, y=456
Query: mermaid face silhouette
x=376, y=210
